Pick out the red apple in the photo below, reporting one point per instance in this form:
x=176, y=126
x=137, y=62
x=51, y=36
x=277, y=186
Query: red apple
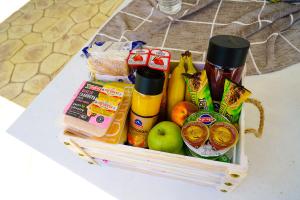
x=181, y=111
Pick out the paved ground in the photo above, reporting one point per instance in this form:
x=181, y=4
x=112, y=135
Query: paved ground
x=37, y=40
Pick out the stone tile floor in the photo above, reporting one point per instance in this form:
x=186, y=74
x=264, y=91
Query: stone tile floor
x=37, y=40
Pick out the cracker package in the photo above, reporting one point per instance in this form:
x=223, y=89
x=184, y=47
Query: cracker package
x=232, y=100
x=198, y=87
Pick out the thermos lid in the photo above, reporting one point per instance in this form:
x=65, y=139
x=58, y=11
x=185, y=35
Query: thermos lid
x=227, y=51
x=149, y=81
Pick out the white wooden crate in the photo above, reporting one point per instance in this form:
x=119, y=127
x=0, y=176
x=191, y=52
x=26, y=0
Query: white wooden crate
x=222, y=176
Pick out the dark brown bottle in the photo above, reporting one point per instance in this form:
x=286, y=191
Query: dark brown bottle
x=226, y=58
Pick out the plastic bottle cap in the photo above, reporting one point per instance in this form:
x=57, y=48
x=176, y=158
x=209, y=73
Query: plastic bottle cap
x=149, y=81
x=227, y=51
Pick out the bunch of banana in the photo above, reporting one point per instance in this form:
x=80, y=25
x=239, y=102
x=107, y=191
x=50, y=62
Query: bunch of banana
x=176, y=86
x=190, y=70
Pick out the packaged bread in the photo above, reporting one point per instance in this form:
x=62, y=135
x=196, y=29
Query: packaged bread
x=110, y=62
x=109, y=58
x=93, y=108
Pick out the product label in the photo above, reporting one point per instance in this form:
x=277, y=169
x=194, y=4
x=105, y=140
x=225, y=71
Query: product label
x=138, y=57
x=198, y=87
x=233, y=97
x=139, y=128
x=95, y=103
x=206, y=119
x=159, y=60
x=87, y=94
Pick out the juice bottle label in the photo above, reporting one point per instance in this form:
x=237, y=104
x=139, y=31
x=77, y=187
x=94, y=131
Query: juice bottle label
x=139, y=128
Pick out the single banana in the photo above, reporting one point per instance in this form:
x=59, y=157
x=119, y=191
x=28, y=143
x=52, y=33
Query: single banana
x=190, y=70
x=176, y=87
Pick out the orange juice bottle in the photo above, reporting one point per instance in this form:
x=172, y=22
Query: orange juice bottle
x=146, y=100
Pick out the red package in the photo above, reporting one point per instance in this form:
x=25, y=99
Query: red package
x=159, y=60
x=138, y=57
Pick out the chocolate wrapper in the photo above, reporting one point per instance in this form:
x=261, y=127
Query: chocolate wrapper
x=232, y=100
x=198, y=87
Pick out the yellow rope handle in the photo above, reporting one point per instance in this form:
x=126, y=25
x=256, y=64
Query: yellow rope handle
x=258, y=133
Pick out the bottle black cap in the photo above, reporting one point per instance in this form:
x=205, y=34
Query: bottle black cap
x=227, y=51
x=149, y=81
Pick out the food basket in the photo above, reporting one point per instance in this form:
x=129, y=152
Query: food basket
x=220, y=175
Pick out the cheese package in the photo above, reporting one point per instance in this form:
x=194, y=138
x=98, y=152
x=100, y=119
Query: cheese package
x=120, y=138
x=117, y=132
x=93, y=108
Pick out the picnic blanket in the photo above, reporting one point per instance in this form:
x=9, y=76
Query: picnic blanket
x=273, y=29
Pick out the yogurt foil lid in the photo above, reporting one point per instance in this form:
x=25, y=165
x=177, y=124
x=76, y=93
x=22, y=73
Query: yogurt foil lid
x=208, y=118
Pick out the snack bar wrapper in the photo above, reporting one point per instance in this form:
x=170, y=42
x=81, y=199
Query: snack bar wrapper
x=233, y=97
x=198, y=88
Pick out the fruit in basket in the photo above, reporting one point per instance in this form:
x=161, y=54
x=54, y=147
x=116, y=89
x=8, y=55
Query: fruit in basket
x=190, y=70
x=165, y=136
x=181, y=111
x=176, y=86
x=222, y=135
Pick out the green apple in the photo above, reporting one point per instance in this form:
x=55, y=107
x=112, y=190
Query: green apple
x=165, y=136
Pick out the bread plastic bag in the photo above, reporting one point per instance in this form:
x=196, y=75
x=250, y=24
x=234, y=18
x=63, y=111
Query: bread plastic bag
x=109, y=58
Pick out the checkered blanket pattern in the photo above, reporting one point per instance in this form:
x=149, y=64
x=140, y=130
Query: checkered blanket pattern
x=272, y=29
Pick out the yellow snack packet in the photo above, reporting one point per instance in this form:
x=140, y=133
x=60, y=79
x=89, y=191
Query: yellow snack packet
x=233, y=97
